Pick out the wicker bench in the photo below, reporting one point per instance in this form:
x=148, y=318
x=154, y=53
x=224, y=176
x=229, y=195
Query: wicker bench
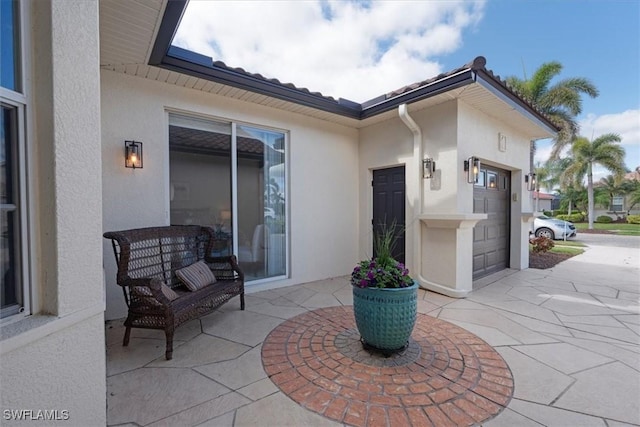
x=147, y=260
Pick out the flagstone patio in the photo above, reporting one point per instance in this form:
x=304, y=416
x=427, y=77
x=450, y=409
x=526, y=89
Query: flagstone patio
x=570, y=337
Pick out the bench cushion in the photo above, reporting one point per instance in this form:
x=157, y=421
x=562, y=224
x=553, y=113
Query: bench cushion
x=196, y=276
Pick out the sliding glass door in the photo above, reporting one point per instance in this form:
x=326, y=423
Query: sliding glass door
x=233, y=178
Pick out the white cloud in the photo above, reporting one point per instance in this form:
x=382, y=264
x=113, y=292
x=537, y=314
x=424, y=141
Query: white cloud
x=354, y=50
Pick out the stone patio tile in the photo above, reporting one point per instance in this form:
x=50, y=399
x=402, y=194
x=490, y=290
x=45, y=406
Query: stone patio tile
x=423, y=306
x=115, y=332
x=629, y=295
x=263, y=295
x=552, y=282
x=328, y=286
x=604, y=291
x=630, y=347
x=274, y=308
x=225, y=420
x=344, y=296
x=554, y=417
x=201, y=350
x=534, y=381
x=278, y=410
x=612, y=423
x=321, y=300
x=438, y=299
x=259, y=389
x=625, y=305
x=526, y=309
x=237, y=373
x=296, y=294
x=205, y=411
x=466, y=304
x=509, y=418
x=530, y=294
x=564, y=357
x=137, y=354
x=244, y=327
x=629, y=318
x=627, y=357
x=536, y=325
x=164, y=392
x=494, y=320
x=609, y=391
x=607, y=332
x=580, y=306
x=492, y=336
x=602, y=320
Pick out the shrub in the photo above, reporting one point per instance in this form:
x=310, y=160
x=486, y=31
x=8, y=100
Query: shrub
x=541, y=244
x=547, y=213
x=576, y=217
x=604, y=219
x=633, y=219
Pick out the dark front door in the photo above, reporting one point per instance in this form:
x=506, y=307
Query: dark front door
x=491, y=236
x=389, y=205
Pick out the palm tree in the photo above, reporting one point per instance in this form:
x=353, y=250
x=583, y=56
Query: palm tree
x=561, y=102
x=603, y=151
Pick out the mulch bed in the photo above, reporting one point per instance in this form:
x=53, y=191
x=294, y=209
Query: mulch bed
x=542, y=261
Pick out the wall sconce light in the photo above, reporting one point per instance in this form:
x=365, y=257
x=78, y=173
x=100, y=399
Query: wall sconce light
x=530, y=180
x=133, y=154
x=428, y=168
x=472, y=168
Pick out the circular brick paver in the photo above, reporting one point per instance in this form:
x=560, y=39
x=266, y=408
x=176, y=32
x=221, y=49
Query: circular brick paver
x=445, y=377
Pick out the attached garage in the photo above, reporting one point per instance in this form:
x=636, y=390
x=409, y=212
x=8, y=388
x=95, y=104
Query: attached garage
x=491, y=236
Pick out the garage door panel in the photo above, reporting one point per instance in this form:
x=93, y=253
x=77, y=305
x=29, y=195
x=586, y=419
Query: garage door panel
x=491, y=236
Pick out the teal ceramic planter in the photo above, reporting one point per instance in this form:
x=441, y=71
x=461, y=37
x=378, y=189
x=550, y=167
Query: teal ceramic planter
x=385, y=317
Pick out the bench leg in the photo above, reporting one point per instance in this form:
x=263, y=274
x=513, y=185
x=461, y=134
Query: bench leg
x=127, y=335
x=242, y=301
x=169, y=351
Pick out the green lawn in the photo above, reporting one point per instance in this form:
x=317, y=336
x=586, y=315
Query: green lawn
x=569, y=243
x=617, y=228
x=566, y=250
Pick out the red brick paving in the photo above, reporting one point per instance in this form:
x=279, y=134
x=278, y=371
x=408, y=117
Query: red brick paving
x=448, y=376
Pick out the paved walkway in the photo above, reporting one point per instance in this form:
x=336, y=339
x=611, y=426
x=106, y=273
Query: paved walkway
x=570, y=336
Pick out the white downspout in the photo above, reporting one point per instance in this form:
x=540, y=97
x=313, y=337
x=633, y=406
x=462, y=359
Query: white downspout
x=418, y=200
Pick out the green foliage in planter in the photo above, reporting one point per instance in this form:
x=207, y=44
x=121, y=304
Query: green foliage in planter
x=633, y=219
x=541, y=244
x=603, y=219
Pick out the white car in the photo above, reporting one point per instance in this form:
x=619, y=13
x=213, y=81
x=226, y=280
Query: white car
x=553, y=228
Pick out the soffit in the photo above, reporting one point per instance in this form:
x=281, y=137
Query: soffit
x=128, y=29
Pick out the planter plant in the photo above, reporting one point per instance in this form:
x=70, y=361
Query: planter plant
x=384, y=297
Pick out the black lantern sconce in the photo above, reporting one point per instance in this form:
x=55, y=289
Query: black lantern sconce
x=530, y=180
x=428, y=168
x=133, y=154
x=472, y=168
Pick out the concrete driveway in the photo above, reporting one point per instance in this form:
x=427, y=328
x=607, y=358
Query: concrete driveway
x=570, y=336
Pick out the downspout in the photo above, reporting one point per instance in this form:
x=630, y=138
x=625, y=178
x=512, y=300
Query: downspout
x=418, y=200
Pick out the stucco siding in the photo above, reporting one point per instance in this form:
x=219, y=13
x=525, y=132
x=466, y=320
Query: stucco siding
x=55, y=358
x=64, y=371
x=323, y=164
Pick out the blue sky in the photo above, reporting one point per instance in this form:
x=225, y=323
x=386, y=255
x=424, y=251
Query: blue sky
x=359, y=50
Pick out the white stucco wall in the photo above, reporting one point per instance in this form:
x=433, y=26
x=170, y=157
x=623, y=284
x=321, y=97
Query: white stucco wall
x=323, y=162
x=54, y=359
x=439, y=248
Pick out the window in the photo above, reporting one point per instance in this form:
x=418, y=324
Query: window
x=13, y=223
x=232, y=177
x=617, y=203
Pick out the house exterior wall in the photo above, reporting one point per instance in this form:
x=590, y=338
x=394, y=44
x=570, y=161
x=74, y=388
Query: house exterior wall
x=439, y=229
x=323, y=164
x=54, y=359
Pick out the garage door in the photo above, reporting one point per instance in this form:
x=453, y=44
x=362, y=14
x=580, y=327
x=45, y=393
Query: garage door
x=491, y=236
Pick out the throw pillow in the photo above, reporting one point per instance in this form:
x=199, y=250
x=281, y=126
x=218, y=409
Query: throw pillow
x=143, y=291
x=196, y=276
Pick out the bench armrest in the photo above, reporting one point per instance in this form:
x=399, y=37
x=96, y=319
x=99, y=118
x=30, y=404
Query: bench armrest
x=225, y=268
x=147, y=291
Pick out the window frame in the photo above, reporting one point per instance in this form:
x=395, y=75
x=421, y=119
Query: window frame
x=614, y=204
x=24, y=185
x=235, y=124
